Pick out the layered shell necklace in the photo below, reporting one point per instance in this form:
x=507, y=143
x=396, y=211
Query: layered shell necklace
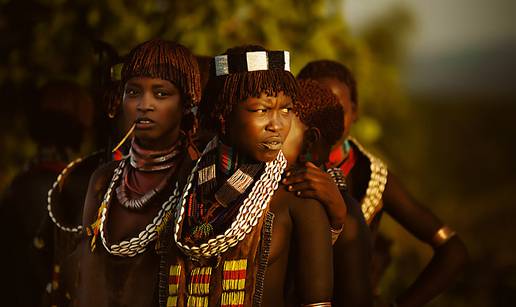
x=57, y=185
x=249, y=212
x=142, y=161
x=371, y=203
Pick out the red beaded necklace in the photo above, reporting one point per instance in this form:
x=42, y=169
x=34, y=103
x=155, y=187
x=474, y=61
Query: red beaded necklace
x=343, y=157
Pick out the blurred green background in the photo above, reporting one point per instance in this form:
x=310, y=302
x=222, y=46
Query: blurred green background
x=436, y=88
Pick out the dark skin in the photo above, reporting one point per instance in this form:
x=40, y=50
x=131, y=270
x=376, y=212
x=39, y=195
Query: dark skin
x=257, y=128
x=155, y=106
x=303, y=139
x=352, y=250
x=448, y=260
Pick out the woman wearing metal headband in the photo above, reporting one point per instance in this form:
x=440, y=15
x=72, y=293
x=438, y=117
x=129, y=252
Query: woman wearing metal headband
x=236, y=233
x=129, y=201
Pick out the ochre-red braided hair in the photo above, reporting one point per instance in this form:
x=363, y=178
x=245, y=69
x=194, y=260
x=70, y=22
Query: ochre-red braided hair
x=318, y=107
x=223, y=92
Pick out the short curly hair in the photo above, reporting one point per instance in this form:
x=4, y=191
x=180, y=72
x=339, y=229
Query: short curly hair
x=318, y=107
x=331, y=69
x=224, y=92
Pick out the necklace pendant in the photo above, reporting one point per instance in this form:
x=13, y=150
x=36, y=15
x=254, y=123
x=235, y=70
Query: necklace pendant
x=202, y=231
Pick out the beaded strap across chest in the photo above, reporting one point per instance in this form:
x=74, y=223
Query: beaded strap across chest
x=248, y=215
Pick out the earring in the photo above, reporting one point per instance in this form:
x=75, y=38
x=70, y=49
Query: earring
x=222, y=125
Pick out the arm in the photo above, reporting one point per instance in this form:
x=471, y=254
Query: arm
x=352, y=259
x=449, y=255
x=312, y=248
x=311, y=182
x=353, y=249
x=96, y=189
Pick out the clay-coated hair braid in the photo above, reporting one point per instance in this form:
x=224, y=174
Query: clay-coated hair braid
x=224, y=92
x=168, y=61
x=318, y=107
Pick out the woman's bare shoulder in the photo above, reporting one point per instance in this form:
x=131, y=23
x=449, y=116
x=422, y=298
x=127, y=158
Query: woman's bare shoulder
x=99, y=181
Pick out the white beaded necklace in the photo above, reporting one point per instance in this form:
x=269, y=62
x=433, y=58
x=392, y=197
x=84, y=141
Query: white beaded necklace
x=138, y=244
x=50, y=196
x=248, y=214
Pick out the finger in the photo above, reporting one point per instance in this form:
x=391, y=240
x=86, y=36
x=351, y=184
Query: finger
x=310, y=165
x=315, y=178
x=296, y=170
x=300, y=186
x=318, y=174
x=306, y=194
x=295, y=175
x=293, y=179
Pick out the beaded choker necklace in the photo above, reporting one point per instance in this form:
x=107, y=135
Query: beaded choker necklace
x=247, y=215
x=342, y=157
x=153, y=160
x=138, y=203
x=339, y=154
x=147, y=161
x=139, y=243
x=210, y=206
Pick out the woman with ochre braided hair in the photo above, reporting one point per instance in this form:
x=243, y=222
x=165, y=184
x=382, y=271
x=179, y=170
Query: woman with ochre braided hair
x=380, y=191
x=129, y=201
x=236, y=232
x=317, y=126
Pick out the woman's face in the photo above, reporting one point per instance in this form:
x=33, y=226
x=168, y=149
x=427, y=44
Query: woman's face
x=258, y=126
x=155, y=106
x=341, y=90
x=293, y=145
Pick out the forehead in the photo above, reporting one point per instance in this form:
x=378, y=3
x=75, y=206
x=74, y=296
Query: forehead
x=149, y=81
x=336, y=86
x=270, y=100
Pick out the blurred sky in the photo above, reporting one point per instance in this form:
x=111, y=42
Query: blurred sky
x=466, y=46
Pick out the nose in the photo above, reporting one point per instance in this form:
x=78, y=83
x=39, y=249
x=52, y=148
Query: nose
x=276, y=122
x=145, y=103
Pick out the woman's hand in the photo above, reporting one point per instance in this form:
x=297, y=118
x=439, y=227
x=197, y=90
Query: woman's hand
x=311, y=182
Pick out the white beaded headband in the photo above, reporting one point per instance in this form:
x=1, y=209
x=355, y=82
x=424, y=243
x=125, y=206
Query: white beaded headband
x=251, y=61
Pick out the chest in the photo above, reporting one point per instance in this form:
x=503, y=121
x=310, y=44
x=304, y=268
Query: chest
x=281, y=230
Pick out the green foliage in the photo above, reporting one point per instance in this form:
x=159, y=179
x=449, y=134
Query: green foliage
x=54, y=38
x=48, y=39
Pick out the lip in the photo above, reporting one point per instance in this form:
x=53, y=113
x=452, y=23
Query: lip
x=144, y=123
x=273, y=143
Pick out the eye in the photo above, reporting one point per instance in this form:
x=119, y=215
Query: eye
x=262, y=110
x=131, y=92
x=162, y=93
x=286, y=110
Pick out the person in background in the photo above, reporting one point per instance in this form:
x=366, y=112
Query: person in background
x=380, y=191
x=58, y=123
x=317, y=126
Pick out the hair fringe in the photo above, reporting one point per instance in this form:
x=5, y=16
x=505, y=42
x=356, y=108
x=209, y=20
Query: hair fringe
x=224, y=92
x=166, y=60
